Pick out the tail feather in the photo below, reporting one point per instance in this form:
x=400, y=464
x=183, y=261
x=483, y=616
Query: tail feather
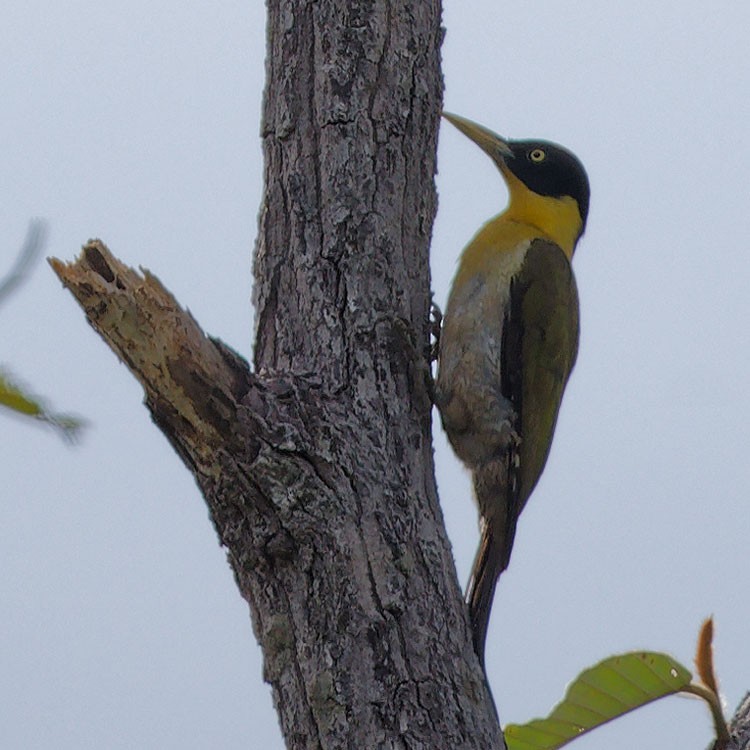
x=495, y=484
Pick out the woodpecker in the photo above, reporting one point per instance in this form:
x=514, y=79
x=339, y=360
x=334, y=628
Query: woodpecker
x=509, y=342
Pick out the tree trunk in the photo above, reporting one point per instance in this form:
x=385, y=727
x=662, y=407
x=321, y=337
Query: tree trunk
x=317, y=468
x=739, y=726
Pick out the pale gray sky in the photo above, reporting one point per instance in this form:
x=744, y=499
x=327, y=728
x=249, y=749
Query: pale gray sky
x=121, y=626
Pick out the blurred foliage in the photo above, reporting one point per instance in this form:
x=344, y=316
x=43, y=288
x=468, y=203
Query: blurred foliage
x=12, y=396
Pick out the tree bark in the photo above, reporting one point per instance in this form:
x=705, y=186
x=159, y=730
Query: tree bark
x=739, y=726
x=317, y=467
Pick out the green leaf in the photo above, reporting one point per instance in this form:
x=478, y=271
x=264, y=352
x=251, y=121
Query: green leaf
x=599, y=694
x=16, y=399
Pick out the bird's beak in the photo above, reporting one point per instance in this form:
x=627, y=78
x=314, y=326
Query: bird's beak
x=491, y=143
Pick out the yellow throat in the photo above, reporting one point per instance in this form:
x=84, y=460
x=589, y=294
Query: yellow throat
x=555, y=219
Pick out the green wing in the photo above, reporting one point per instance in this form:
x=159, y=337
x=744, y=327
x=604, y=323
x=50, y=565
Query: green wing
x=540, y=344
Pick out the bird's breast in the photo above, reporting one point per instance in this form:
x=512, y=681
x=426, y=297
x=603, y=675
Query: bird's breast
x=474, y=410
x=473, y=324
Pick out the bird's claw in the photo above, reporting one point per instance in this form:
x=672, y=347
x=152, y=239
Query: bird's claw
x=436, y=321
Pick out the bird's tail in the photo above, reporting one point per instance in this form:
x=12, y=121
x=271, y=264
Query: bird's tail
x=495, y=486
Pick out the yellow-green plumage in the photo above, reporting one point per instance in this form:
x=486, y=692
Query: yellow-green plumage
x=509, y=342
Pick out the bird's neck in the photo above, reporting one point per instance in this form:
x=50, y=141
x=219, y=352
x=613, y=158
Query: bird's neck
x=555, y=219
x=503, y=240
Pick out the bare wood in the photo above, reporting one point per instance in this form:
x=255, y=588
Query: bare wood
x=317, y=468
x=189, y=387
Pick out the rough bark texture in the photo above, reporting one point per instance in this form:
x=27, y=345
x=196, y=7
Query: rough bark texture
x=326, y=505
x=317, y=468
x=739, y=726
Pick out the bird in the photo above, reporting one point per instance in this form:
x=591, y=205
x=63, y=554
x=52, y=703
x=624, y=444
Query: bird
x=509, y=341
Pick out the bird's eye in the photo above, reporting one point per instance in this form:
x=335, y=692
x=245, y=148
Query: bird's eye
x=537, y=155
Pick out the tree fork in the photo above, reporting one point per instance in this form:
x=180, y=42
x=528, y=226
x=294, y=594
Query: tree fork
x=317, y=467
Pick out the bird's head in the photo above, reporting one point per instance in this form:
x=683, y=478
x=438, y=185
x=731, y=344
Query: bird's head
x=548, y=185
